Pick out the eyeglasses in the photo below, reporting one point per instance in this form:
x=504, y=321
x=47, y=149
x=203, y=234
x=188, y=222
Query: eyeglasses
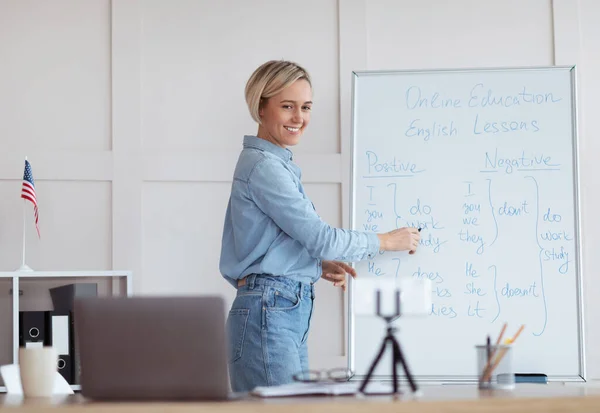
x=314, y=376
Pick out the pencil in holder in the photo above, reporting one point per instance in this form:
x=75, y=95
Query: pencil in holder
x=495, y=367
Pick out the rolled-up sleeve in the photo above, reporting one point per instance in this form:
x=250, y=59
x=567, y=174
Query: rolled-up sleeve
x=274, y=190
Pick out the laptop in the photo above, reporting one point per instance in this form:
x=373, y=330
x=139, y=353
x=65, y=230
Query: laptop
x=152, y=348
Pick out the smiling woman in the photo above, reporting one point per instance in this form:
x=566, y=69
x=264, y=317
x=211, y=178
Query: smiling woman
x=275, y=246
x=285, y=116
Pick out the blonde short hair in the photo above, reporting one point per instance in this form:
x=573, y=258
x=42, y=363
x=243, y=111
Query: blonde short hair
x=268, y=80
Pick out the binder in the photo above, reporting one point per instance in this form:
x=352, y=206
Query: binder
x=64, y=296
x=65, y=367
x=61, y=331
x=63, y=299
x=34, y=329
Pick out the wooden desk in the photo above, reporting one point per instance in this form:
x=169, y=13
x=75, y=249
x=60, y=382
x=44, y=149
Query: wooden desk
x=456, y=399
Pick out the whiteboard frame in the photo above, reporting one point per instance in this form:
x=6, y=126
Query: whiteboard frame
x=577, y=215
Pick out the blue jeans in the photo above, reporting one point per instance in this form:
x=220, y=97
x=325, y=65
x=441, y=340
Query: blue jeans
x=267, y=330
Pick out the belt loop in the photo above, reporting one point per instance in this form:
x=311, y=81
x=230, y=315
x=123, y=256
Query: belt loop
x=250, y=281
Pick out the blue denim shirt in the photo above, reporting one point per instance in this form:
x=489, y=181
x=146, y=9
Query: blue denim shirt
x=271, y=227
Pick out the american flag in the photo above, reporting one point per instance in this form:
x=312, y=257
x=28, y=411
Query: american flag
x=28, y=192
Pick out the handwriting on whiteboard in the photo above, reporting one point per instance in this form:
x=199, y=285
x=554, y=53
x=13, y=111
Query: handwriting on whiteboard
x=483, y=214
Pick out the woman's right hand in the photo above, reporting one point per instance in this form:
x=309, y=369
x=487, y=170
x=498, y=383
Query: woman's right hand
x=400, y=239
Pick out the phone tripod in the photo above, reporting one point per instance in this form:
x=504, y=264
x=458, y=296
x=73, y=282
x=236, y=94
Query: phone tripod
x=397, y=355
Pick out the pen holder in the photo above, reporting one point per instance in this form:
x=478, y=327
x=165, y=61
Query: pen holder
x=495, y=367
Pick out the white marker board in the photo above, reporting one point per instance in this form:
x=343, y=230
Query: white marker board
x=485, y=162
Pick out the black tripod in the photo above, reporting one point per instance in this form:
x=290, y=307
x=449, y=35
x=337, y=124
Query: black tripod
x=398, y=356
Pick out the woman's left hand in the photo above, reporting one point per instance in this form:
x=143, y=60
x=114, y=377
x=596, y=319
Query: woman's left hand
x=335, y=271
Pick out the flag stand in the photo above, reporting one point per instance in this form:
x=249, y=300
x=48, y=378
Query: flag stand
x=24, y=267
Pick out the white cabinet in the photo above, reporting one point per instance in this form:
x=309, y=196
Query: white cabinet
x=34, y=295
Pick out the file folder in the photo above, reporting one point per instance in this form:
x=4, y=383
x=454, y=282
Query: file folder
x=34, y=329
x=63, y=299
x=61, y=331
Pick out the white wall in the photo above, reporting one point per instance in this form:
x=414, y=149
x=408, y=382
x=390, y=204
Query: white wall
x=132, y=114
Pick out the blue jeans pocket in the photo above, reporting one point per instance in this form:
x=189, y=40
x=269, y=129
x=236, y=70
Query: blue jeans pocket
x=236, y=329
x=305, y=336
x=281, y=299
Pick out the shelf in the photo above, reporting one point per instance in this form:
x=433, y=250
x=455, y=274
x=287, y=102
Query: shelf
x=34, y=295
x=61, y=274
x=74, y=387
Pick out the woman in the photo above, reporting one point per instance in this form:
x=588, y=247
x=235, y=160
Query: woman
x=275, y=246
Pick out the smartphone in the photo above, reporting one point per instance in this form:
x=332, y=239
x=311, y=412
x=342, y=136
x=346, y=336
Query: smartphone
x=414, y=298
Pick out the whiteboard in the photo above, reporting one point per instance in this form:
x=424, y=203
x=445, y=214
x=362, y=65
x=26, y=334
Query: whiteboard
x=485, y=162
